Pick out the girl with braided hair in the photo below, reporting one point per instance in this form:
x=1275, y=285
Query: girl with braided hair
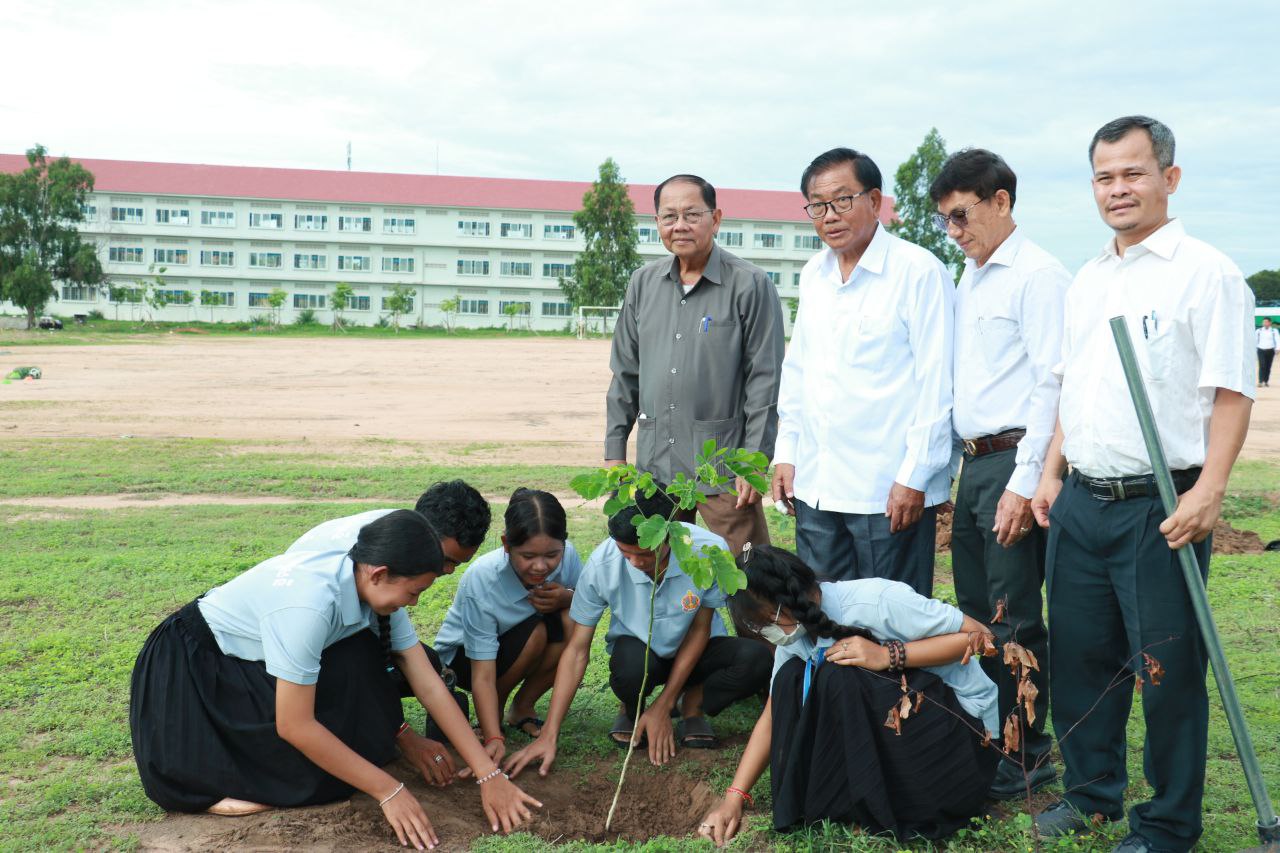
x=272, y=689
x=843, y=652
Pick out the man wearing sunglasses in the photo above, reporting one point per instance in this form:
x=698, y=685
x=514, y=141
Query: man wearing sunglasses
x=1008, y=339
x=864, y=413
x=697, y=353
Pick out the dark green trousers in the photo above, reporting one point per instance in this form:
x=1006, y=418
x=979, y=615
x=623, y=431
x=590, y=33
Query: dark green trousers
x=1115, y=589
x=985, y=572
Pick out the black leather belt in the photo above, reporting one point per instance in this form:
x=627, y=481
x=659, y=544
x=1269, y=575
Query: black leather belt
x=1123, y=488
x=991, y=443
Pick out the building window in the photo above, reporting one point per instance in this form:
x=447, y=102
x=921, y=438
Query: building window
x=397, y=264
x=775, y=277
x=730, y=238
x=217, y=258
x=174, y=297
x=520, y=230
x=354, y=263
x=473, y=306
x=308, y=300
x=557, y=270
x=557, y=232
x=358, y=303
x=125, y=254
x=557, y=309
x=173, y=216
x=646, y=234
x=273, y=221
x=218, y=218
x=265, y=260
x=408, y=307
x=768, y=241
x=310, y=262
x=355, y=223
x=398, y=225
x=471, y=228
x=808, y=241
x=259, y=300
x=519, y=269
x=795, y=279
x=473, y=267
x=521, y=309
x=79, y=293
x=218, y=298
x=89, y=211
x=127, y=214
x=171, y=256
x=123, y=295
x=310, y=221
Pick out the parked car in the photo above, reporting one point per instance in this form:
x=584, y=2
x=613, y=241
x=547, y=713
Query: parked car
x=49, y=323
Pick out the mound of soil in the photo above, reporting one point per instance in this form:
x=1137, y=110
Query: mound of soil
x=1226, y=539
x=655, y=802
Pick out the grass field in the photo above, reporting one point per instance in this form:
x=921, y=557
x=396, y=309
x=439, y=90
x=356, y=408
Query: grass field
x=80, y=589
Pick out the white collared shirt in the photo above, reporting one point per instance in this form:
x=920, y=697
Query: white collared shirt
x=1268, y=338
x=866, y=384
x=1190, y=315
x=1008, y=338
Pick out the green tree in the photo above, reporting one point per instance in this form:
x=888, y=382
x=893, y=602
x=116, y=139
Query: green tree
x=1265, y=285
x=212, y=299
x=153, y=291
x=39, y=241
x=608, y=226
x=276, y=299
x=449, y=307
x=399, y=302
x=914, y=207
x=342, y=293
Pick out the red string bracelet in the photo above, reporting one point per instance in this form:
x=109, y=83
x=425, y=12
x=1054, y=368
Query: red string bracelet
x=492, y=739
x=741, y=793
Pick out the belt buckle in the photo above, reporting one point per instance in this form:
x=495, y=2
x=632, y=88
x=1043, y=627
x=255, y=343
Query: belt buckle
x=970, y=447
x=1117, y=489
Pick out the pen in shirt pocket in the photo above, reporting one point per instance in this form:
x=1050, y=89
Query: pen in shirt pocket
x=706, y=324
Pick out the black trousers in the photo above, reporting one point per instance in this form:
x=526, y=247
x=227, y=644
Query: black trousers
x=844, y=546
x=986, y=572
x=1265, y=357
x=730, y=669
x=510, y=646
x=1115, y=588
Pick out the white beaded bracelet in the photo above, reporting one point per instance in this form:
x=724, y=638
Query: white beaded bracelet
x=387, y=799
x=492, y=774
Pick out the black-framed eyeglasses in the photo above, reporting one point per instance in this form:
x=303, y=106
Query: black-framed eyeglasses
x=959, y=218
x=840, y=204
x=755, y=625
x=693, y=217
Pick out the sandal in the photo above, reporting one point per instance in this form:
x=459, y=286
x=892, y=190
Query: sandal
x=696, y=733
x=519, y=726
x=625, y=726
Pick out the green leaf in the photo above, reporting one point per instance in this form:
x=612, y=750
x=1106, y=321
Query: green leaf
x=681, y=541
x=613, y=505
x=645, y=485
x=727, y=575
x=651, y=531
x=758, y=482
x=590, y=485
x=708, y=448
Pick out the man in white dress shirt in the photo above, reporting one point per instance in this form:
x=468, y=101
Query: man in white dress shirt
x=864, y=412
x=1268, y=342
x=1008, y=339
x=1114, y=584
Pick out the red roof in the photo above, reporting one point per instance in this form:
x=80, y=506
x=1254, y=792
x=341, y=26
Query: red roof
x=189, y=179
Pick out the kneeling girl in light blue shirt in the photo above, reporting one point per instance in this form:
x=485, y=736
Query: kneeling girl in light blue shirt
x=506, y=626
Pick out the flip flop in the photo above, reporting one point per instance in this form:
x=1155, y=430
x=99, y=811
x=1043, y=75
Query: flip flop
x=519, y=726
x=696, y=733
x=230, y=807
x=624, y=725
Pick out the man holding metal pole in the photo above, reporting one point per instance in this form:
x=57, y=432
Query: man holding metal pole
x=1114, y=584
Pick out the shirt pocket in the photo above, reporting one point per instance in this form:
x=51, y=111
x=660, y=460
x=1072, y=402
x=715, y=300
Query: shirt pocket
x=1167, y=353
x=867, y=339
x=646, y=440
x=999, y=337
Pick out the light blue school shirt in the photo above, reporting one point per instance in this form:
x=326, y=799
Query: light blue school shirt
x=609, y=581
x=288, y=610
x=340, y=534
x=491, y=600
x=891, y=610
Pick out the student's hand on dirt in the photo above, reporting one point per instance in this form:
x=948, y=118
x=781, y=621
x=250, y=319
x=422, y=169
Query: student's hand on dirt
x=505, y=805
x=542, y=751
x=1042, y=501
x=655, y=723
x=422, y=754
x=723, y=822
x=496, y=749
x=859, y=651
x=1013, y=518
x=905, y=507
x=747, y=496
x=548, y=598
x=1198, y=510
x=407, y=818
x=783, y=486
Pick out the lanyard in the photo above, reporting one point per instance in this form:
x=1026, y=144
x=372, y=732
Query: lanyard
x=811, y=665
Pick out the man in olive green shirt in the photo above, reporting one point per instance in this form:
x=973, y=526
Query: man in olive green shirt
x=697, y=354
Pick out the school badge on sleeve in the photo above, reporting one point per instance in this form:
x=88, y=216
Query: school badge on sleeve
x=690, y=601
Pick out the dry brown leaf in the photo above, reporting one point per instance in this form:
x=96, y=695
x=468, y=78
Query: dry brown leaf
x=1016, y=656
x=904, y=706
x=905, y=688
x=1137, y=683
x=1027, y=693
x=981, y=644
x=998, y=616
x=1012, y=733
x=919, y=701
x=1155, y=670
x=894, y=721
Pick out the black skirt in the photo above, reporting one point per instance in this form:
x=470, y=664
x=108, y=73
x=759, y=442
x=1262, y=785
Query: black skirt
x=203, y=723
x=832, y=758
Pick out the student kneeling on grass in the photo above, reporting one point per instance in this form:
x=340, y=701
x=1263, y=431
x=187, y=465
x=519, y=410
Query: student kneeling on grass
x=843, y=650
x=274, y=690
x=690, y=654
x=508, y=619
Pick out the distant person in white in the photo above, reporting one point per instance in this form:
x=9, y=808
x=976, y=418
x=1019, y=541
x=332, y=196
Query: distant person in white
x=1268, y=342
x=864, y=413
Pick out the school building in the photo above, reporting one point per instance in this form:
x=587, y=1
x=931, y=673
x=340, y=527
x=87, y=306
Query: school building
x=226, y=237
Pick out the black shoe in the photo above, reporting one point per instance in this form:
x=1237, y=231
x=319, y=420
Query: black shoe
x=1135, y=843
x=1011, y=782
x=1061, y=818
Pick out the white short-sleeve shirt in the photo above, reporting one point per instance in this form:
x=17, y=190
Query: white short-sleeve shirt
x=287, y=610
x=891, y=610
x=339, y=534
x=609, y=582
x=490, y=601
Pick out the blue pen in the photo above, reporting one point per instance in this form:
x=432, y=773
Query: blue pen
x=706, y=323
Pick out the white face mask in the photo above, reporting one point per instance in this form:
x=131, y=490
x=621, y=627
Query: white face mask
x=774, y=634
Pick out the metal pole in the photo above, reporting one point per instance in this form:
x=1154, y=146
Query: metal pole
x=1268, y=823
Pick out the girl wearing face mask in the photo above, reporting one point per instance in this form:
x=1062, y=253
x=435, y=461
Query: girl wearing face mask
x=506, y=626
x=842, y=650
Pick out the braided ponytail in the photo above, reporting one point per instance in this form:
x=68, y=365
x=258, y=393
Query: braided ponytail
x=777, y=577
x=384, y=639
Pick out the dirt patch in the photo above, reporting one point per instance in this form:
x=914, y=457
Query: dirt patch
x=1226, y=539
x=656, y=802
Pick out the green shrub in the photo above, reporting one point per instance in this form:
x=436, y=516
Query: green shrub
x=306, y=317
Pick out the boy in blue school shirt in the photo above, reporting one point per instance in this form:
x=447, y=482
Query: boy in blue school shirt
x=690, y=654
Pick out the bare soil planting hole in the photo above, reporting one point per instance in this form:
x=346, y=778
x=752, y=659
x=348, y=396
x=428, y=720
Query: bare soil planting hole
x=667, y=801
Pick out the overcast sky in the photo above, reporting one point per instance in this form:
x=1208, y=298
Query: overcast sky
x=744, y=93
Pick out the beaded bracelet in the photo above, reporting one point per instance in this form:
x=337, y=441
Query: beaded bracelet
x=492, y=774
x=897, y=655
x=741, y=793
x=388, y=797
